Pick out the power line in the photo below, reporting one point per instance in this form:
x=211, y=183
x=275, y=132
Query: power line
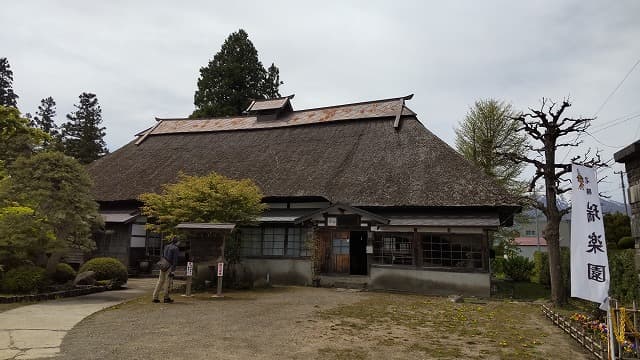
x=612, y=123
x=605, y=102
x=617, y=87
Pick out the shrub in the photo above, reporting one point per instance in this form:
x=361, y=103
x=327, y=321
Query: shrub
x=624, y=278
x=541, y=268
x=64, y=272
x=106, y=269
x=497, y=265
x=626, y=242
x=541, y=272
x=518, y=268
x=24, y=279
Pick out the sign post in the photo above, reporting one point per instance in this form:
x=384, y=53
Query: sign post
x=589, y=263
x=220, y=276
x=189, y=275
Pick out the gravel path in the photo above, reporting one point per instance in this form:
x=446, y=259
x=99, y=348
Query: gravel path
x=308, y=323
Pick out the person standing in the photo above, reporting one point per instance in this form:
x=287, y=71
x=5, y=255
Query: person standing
x=170, y=254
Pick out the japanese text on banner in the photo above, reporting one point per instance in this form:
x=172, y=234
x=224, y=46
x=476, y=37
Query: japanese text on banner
x=589, y=264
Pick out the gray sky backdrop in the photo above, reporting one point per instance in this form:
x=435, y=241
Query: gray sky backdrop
x=142, y=58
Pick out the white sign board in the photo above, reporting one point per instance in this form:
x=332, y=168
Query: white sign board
x=332, y=221
x=220, y=269
x=189, y=268
x=589, y=264
x=369, y=249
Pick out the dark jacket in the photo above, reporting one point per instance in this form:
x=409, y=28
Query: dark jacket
x=171, y=252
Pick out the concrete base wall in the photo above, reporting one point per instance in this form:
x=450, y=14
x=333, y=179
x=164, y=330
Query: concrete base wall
x=281, y=271
x=430, y=282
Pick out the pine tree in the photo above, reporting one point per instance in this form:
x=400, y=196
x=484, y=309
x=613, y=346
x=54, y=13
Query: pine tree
x=44, y=121
x=82, y=135
x=7, y=96
x=234, y=77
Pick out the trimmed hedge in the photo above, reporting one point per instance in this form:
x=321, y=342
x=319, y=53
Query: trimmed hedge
x=24, y=279
x=626, y=242
x=106, y=269
x=64, y=273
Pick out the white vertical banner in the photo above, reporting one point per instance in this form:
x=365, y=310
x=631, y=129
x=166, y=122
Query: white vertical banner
x=589, y=264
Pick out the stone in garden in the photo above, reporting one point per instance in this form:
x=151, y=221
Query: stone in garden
x=85, y=278
x=456, y=298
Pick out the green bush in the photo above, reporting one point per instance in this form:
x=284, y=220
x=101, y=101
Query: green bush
x=24, y=279
x=541, y=272
x=497, y=265
x=106, y=269
x=541, y=268
x=518, y=268
x=625, y=285
x=64, y=272
x=626, y=242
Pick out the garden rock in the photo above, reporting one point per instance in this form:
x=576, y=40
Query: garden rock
x=456, y=298
x=85, y=278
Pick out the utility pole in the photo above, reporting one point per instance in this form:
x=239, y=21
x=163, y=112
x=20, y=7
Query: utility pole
x=624, y=192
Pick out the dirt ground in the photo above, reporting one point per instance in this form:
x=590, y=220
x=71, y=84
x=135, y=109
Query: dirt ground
x=312, y=323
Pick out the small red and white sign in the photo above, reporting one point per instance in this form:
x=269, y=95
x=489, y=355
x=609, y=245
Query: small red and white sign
x=189, y=268
x=220, y=269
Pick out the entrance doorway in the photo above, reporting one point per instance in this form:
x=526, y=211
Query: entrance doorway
x=358, y=253
x=343, y=252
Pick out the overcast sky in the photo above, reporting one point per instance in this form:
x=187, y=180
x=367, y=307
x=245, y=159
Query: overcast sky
x=142, y=58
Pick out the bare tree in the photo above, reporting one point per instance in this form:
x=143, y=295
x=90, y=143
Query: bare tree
x=548, y=128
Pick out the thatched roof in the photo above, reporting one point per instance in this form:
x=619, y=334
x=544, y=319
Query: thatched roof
x=349, y=153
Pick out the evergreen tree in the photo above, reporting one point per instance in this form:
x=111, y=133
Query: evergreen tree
x=44, y=121
x=17, y=137
x=82, y=135
x=7, y=96
x=234, y=77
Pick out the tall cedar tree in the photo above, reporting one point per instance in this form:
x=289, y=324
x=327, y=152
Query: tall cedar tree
x=7, y=96
x=548, y=127
x=234, y=77
x=486, y=133
x=44, y=121
x=82, y=135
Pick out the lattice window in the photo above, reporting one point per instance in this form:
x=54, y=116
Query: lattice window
x=297, y=242
x=455, y=251
x=393, y=248
x=251, y=241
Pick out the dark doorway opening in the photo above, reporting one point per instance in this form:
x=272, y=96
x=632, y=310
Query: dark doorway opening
x=358, y=253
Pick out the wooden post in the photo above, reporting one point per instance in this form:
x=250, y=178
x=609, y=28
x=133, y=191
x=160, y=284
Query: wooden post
x=635, y=328
x=220, y=275
x=189, y=275
x=220, y=268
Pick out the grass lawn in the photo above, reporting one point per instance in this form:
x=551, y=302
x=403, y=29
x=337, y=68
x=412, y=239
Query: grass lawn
x=437, y=328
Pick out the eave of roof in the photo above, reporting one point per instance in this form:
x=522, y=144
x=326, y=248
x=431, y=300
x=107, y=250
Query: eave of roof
x=628, y=152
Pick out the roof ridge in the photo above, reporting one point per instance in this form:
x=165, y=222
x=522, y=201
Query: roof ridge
x=407, y=97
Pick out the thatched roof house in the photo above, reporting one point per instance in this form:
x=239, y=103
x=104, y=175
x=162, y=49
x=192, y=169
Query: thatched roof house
x=373, y=157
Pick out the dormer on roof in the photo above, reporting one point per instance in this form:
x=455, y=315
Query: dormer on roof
x=270, y=109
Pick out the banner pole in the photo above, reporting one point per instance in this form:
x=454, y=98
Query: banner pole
x=610, y=342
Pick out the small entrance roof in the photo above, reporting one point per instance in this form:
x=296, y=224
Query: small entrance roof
x=122, y=216
x=342, y=208
x=207, y=226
